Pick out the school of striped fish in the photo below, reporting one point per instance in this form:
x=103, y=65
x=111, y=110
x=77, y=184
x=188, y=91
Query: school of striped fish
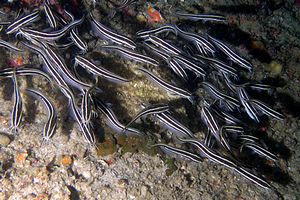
x=189, y=56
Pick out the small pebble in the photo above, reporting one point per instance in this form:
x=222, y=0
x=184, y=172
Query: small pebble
x=141, y=18
x=275, y=68
x=122, y=182
x=4, y=139
x=144, y=191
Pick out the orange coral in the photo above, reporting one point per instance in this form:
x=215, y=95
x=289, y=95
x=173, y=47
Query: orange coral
x=16, y=61
x=66, y=160
x=154, y=15
x=19, y=60
x=21, y=157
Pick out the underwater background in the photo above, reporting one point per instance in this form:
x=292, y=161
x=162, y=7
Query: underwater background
x=266, y=33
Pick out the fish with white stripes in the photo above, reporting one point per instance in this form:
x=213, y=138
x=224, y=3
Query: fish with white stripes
x=151, y=109
x=203, y=17
x=259, y=150
x=130, y=54
x=49, y=36
x=86, y=130
x=16, y=114
x=173, y=125
x=105, y=32
x=172, y=89
x=22, y=21
x=179, y=152
x=213, y=156
x=231, y=102
x=98, y=70
x=163, y=29
x=9, y=46
x=245, y=101
x=231, y=54
x=265, y=109
x=50, y=15
x=50, y=126
x=112, y=120
x=24, y=71
x=203, y=45
x=164, y=45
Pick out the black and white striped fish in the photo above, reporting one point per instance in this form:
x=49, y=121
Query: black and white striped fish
x=265, y=109
x=174, y=126
x=58, y=63
x=174, y=90
x=213, y=156
x=254, y=86
x=217, y=65
x=210, y=121
x=99, y=71
x=87, y=106
x=50, y=125
x=86, y=130
x=223, y=132
x=22, y=21
x=231, y=54
x=152, y=109
x=129, y=53
x=179, y=152
x=105, y=32
x=112, y=120
x=164, y=55
x=224, y=116
x=204, y=46
x=254, y=178
x=177, y=68
x=197, y=68
x=78, y=41
x=247, y=138
x=24, y=71
x=163, y=29
x=203, y=17
x=209, y=153
x=167, y=47
x=231, y=102
x=49, y=36
x=50, y=15
x=245, y=101
x=48, y=64
x=259, y=150
x=16, y=115
x=9, y=46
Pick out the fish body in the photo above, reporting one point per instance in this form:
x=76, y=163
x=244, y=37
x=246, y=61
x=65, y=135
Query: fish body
x=17, y=113
x=51, y=123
